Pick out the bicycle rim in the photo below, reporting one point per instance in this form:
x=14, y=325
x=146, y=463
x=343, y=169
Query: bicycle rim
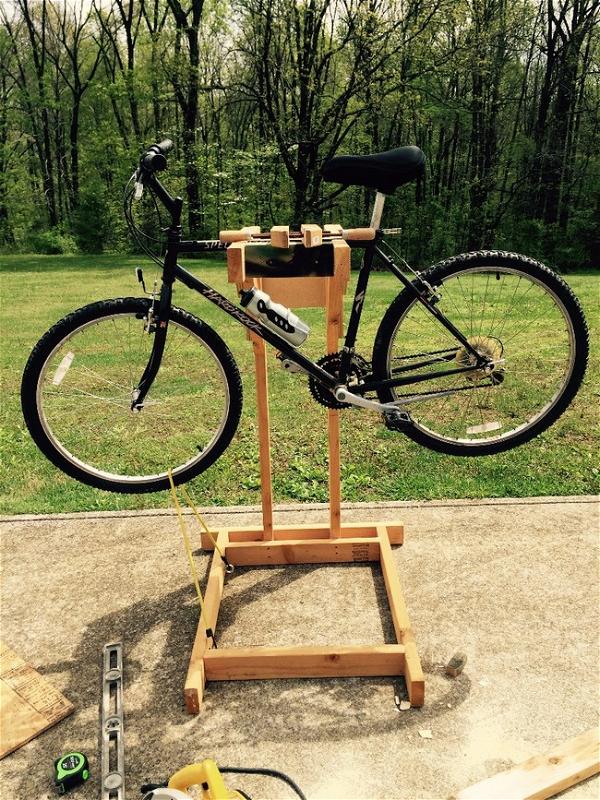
x=84, y=396
x=507, y=315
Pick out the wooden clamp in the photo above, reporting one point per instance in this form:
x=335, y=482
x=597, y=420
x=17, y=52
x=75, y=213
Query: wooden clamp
x=359, y=234
x=280, y=236
x=243, y=235
x=312, y=235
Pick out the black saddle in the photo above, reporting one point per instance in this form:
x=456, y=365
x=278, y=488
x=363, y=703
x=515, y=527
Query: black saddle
x=382, y=171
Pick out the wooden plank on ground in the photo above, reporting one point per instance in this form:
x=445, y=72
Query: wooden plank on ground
x=413, y=672
x=296, y=551
x=257, y=663
x=543, y=775
x=395, y=532
x=29, y=704
x=196, y=679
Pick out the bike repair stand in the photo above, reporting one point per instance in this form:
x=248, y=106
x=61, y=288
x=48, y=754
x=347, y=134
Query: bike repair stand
x=263, y=260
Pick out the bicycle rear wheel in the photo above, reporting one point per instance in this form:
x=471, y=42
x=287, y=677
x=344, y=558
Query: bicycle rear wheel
x=514, y=311
x=77, y=389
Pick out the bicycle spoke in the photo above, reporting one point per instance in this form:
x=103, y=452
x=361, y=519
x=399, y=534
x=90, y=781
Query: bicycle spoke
x=519, y=324
x=90, y=413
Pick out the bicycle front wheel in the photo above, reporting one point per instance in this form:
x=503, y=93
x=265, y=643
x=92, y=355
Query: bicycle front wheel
x=77, y=389
x=514, y=311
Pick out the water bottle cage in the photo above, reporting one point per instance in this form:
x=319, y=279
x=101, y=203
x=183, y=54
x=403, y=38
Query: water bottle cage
x=274, y=317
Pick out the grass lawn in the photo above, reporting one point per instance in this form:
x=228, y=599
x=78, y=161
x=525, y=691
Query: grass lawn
x=376, y=464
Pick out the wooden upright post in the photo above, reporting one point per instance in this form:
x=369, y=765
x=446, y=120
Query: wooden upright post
x=264, y=435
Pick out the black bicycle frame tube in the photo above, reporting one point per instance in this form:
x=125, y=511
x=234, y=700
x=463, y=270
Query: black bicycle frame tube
x=357, y=307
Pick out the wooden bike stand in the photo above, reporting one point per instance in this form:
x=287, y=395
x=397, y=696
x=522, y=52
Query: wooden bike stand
x=301, y=544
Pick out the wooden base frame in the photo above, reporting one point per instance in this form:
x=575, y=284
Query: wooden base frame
x=306, y=544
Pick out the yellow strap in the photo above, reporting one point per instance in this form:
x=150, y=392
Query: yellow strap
x=201, y=521
x=188, y=550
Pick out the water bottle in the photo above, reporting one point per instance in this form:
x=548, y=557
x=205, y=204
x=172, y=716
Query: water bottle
x=275, y=316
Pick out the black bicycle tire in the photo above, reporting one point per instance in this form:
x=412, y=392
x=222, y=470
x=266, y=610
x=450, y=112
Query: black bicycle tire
x=457, y=264
x=97, y=310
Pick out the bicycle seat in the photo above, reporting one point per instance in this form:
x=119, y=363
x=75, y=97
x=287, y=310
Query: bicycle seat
x=382, y=171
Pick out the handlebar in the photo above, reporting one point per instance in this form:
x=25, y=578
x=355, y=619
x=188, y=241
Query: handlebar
x=154, y=159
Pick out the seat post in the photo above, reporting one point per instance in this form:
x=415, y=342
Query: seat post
x=377, y=210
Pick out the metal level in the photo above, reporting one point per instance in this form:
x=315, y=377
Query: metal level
x=113, y=755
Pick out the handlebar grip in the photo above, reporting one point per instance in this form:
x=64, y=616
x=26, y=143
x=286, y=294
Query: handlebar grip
x=165, y=146
x=154, y=159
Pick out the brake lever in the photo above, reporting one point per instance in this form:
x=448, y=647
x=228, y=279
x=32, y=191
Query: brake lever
x=139, y=185
x=139, y=190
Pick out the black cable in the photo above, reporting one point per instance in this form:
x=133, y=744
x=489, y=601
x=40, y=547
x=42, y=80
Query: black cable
x=272, y=773
x=139, y=236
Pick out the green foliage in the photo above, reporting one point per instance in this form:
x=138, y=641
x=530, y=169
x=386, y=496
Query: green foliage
x=89, y=223
x=278, y=87
x=51, y=242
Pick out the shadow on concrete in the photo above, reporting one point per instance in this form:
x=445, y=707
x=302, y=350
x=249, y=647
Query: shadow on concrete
x=160, y=736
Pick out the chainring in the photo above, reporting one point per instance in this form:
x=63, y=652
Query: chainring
x=332, y=363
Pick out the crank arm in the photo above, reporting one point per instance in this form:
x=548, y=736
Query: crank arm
x=344, y=396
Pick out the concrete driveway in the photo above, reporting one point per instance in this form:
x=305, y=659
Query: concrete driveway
x=514, y=584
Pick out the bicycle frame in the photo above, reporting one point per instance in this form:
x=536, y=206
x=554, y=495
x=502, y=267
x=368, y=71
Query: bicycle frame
x=173, y=271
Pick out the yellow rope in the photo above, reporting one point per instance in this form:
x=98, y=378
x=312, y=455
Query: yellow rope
x=201, y=521
x=188, y=550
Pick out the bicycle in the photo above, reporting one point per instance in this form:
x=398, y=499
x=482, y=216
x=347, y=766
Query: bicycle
x=120, y=391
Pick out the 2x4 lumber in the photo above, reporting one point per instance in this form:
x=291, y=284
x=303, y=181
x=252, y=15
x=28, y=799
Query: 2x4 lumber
x=334, y=306
x=415, y=680
x=395, y=533
x=307, y=551
x=253, y=230
x=301, y=292
x=256, y=663
x=543, y=775
x=336, y=286
x=333, y=229
x=335, y=487
x=280, y=236
x=312, y=235
x=196, y=677
x=234, y=236
x=235, y=262
x=264, y=434
x=359, y=234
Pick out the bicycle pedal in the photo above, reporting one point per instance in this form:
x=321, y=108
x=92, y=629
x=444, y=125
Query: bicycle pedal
x=396, y=420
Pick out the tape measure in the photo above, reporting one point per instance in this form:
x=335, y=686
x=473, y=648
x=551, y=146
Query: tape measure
x=70, y=770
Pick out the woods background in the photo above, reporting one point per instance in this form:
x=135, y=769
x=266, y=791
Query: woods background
x=503, y=97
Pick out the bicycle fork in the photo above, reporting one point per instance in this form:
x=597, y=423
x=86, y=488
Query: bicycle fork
x=159, y=321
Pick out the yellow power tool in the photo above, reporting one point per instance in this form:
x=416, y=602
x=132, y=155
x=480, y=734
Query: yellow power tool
x=207, y=776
